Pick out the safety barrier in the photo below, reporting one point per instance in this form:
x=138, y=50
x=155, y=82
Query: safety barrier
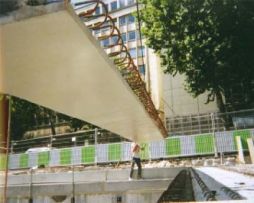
x=2, y=161
x=180, y=146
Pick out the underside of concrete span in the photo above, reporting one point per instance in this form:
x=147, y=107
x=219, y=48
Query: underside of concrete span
x=50, y=58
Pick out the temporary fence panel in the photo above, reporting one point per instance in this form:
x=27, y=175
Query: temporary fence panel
x=23, y=161
x=225, y=141
x=114, y=152
x=188, y=147
x=204, y=144
x=55, y=157
x=88, y=154
x=157, y=149
x=76, y=155
x=14, y=161
x=126, y=151
x=43, y=158
x=32, y=159
x=101, y=153
x=65, y=156
x=173, y=146
x=252, y=133
x=144, y=154
x=2, y=161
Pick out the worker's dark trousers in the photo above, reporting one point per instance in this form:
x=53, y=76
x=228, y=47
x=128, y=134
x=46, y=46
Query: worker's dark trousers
x=138, y=162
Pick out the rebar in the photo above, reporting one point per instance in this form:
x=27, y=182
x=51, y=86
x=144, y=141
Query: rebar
x=232, y=194
x=121, y=57
x=208, y=194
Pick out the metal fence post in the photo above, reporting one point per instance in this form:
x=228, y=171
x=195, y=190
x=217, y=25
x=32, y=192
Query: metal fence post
x=214, y=137
x=74, y=140
x=95, y=144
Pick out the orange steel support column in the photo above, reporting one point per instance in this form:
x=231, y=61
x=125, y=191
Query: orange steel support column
x=4, y=144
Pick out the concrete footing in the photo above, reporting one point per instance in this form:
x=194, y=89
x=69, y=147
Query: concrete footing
x=240, y=150
x=251, y=149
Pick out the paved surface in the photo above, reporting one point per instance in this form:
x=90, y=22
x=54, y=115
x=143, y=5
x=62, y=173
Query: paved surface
x=247, y=169
x=243, y=184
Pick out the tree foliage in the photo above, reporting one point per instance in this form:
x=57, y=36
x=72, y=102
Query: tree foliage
x=29, y=116
x=211, y=42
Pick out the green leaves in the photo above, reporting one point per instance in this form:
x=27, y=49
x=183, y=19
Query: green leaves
x=28, y=116
x=209, y=41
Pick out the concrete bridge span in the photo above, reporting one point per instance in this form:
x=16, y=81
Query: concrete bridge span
x=49, y=57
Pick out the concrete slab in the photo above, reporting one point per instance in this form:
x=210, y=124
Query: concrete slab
x=53, y=60
x=251, y=149
x=240, y=183
x=87, y=182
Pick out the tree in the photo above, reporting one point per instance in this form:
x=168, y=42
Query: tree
x=7, y=6
x=209, y=41
x=23, y=117
x=27, y=116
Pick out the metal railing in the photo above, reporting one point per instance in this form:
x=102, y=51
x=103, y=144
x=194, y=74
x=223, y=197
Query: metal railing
x=79, y=138
x=210, y=122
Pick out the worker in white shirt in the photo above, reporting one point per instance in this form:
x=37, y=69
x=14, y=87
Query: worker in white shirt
x=135, y=151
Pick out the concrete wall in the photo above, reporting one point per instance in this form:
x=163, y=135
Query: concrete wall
x=179, y=102
x=91, y=186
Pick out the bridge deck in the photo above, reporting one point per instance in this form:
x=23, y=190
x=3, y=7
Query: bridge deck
x=53, y=60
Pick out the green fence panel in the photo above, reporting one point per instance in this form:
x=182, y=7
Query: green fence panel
x=244, y=134
x=88, y=154
x=65, y=156
x=144, y=154
x=43, y=158
x=23, y=161
x=173, y=146
x=114, y=152
x=204, y=144
x=2, y=162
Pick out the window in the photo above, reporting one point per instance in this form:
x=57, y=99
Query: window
x=105, y=27
x=130, y=2
x=113, y=5
x=105, y=42
x=141, y=51
x=122, y=3
x=124, y=37
x=131, y=19
x=122, y=20
x=131, y=35
x=133, y=52
x=142, y=69
x=114, y=40
x=97, y=11
x=97, y=31
x=103, y=9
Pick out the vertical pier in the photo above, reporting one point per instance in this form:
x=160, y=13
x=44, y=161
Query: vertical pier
x=4, y=144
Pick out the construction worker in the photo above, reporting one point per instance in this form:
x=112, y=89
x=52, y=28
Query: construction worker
x=135, y=151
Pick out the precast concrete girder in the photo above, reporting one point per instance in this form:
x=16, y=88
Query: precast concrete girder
x=53, y=60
